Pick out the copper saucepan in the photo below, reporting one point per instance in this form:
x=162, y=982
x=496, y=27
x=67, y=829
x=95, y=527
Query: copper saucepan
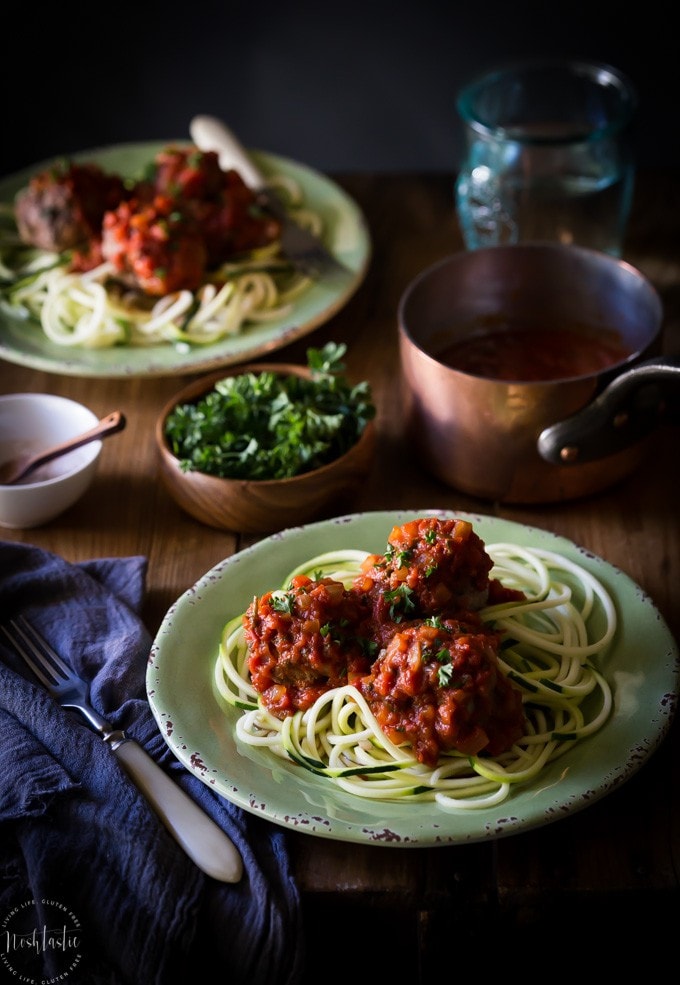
x=522, y=439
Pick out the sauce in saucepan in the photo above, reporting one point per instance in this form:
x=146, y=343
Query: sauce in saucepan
x=534, y=355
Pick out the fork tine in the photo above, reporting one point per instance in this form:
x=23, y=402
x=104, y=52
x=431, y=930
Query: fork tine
x=47, y=666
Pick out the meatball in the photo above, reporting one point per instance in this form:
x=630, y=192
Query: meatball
x=234, y=224
x=154, y=247
x=305, y=641
x=431, y=567
x=62, y=208
x=221, y=204
x=165, y=233
x=437, y=685
x=187, y=173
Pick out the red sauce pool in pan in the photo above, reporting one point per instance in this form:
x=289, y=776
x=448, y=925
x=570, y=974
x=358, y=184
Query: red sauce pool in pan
x=534, y=355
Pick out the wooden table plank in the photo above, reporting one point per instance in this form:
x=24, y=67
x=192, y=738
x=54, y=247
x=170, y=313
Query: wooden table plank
x=620, y=852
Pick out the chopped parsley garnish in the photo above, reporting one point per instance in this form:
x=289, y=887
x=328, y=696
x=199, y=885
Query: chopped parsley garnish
x=332, y=633
x=283, y=603
x=272, y=426
x=443, y=657
x=401, y=602
x=444, y=674
x=402, y=558
x=368, y=647
x=435, y=621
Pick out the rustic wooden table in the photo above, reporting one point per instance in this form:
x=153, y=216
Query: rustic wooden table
x=580, y=878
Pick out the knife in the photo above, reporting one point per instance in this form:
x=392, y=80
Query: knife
x=300, y=246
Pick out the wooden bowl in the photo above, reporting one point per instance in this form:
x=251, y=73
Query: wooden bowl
x=259, y=506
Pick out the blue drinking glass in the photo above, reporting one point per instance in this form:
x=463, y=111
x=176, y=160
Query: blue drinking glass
x=549, y=155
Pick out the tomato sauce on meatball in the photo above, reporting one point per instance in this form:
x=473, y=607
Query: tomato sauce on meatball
x=303, y=642
x=407, y=634
x=431, y=566
x=438, y=686
x=169, y=231
x=154, y=247
x=224, y=208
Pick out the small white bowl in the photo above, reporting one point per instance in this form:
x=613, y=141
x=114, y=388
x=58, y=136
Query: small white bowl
x=30, y=423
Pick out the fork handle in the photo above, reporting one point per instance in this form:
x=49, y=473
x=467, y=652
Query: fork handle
x=203, y=840
x=211, y=134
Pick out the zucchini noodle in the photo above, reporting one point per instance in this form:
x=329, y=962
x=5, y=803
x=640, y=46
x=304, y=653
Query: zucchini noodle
x=551, y=642
x=86, y=310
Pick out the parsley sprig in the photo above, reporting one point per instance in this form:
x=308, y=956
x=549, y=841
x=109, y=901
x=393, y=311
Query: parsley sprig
x=272, y=426
x=401, y=602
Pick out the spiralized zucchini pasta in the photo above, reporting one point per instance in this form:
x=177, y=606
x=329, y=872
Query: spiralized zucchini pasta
x=81, y=310
x=152, y=279
x=524, y=664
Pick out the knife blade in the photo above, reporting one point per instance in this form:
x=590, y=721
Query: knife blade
x=299, y=245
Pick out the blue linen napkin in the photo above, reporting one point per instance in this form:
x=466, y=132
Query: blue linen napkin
x=76, y=833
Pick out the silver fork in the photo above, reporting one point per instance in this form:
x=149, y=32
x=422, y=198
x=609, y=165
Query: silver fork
x=202, y=840
x=299, y=245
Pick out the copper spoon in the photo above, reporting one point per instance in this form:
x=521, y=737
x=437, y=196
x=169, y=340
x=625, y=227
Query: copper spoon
x=18, y=468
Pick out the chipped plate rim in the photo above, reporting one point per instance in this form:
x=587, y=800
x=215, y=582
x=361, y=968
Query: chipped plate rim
x=642, y=667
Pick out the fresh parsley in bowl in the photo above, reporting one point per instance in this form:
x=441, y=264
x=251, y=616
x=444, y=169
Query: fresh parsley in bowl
x=267, y=424
x=263, y=446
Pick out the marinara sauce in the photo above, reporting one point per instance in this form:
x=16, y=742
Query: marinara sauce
x=303, y=642
x=170, y=231
x=534, y=355
x=407, y=634
x=440, y=688
x=431, y=566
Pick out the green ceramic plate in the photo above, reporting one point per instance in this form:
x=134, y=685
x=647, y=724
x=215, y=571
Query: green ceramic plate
x=346, y=234
x=642, y=667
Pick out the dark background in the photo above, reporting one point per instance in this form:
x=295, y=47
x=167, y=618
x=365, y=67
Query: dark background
x=338, y=86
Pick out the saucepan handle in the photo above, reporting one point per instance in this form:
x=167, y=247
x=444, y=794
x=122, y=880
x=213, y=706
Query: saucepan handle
x=630, y=407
